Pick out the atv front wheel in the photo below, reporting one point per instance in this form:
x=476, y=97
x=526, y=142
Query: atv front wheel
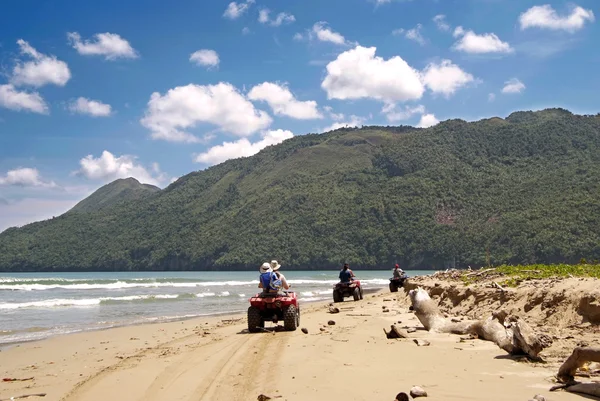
x=337, y=296
x=356, y=294
x=393, y=287
x=255, y=320
x=361, y=293
x=290, y=318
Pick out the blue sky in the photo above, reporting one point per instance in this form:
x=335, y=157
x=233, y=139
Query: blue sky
x=94, y=91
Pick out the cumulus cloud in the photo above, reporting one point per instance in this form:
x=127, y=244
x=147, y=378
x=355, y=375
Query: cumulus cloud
x=445, y=77
x=470, y=42
x=206, y=58
x=281, y=18
x=413, y=34
x=393, y=114
x=25, y=177
x=109, y=167
x=491, y=97
x=334, y=116
x=13, y=99
x=545, y=17
x=90, y=107
x=427, y=120
x=440, y=22
x=41, y=70
x=183, y=107
x=242, y=147
x=109, y=45
x=353, y=121
x=323, y=33
x=283, y=102
x=358, y=73
x=235, y=10
x=513, y=86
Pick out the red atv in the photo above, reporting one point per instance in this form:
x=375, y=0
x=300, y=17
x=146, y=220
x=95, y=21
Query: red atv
x=273, y=308
x=343, y=290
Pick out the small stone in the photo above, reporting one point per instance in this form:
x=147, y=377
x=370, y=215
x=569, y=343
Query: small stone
x=386, y=300
x=417, y=391
x=402, y=397
x=421, y=343
x=386, y=310
x=304, y=330
x=539, y=397
x=331, y=323
x=322, y=329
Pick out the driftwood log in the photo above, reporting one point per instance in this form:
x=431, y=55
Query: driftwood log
x=510, y=333
x=395, y=332
x=566, y=373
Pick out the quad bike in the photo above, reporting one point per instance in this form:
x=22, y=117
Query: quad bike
x=273, y=308
x=396, y=283
x=343, y=290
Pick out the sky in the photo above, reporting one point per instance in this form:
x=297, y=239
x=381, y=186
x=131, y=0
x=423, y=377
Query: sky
x=92, y=91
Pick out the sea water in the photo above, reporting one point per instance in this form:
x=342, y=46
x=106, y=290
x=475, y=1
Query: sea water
x=34, y=306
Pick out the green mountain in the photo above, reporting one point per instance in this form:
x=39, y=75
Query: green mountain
x=119, y=191
x=525, y=189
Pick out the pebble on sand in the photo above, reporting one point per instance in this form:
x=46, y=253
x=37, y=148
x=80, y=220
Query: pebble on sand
x=304, y=330
x=401, y=397
x=331, y=322
x=417, y=391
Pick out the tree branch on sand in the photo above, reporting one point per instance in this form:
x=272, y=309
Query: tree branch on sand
x=510, y=333
x=566, y=373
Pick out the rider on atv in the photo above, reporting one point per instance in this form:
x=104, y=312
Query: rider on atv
x=346, y=275
x=271, y=282
x=398, y=272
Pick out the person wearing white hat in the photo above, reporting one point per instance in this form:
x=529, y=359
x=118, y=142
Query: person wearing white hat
x=275, y=266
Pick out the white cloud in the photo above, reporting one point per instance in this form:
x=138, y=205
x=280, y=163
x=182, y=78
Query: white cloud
x=546, y=17
x=93, y=108
x=491, y=97
x=332, y=115
x=298, y=37
x=109, y=45
x=281, y=18
x=358, y=73
x=440, y=21
x=235, y=10
x=445, y=78
x=242, y=147
x=12, y=99
x=427, y=120
x=513, y=86
x=167, y=116
x=283, y=102
x=394, y=115
x=206, y=58
x=109, y=167
x=321, y=32
x=25, y=177
x=40, y=71
x=354, y=121
x=412, y=34
x=245, y=31
x=479, y=44
x=29, y=210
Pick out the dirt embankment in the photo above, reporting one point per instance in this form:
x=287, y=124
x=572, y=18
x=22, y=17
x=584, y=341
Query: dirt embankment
x=566, y=309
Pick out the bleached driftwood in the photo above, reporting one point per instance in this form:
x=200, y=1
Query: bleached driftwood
x=567, y=371
x=510, y=333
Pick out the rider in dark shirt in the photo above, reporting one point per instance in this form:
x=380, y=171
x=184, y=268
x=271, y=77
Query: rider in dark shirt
x=346, y=275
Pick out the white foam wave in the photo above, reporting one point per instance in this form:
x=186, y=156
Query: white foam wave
x=122, y=285
x=85, y=302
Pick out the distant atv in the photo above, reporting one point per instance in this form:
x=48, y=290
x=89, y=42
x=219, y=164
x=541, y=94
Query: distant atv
x=344, y=290
x=273, y=308
x=396, y=283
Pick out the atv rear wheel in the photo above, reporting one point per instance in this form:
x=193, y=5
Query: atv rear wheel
x=255, y=320
x=291, y=318
x=356, y=294
x=361, y=293
x=337, y=296
x=393, y=287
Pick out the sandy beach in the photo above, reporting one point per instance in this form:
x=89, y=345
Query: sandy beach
x=216, y=359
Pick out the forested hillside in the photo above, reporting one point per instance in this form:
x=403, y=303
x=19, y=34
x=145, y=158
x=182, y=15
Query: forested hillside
x=525, y=189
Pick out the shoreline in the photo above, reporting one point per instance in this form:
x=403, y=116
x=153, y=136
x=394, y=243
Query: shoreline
x=215, y=359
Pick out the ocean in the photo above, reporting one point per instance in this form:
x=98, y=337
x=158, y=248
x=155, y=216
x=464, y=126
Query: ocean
x=34, y=306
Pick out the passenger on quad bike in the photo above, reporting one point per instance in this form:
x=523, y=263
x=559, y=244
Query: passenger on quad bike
x=346, y=275
x=397, y=281
x=276, y=266
x=270, y=282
